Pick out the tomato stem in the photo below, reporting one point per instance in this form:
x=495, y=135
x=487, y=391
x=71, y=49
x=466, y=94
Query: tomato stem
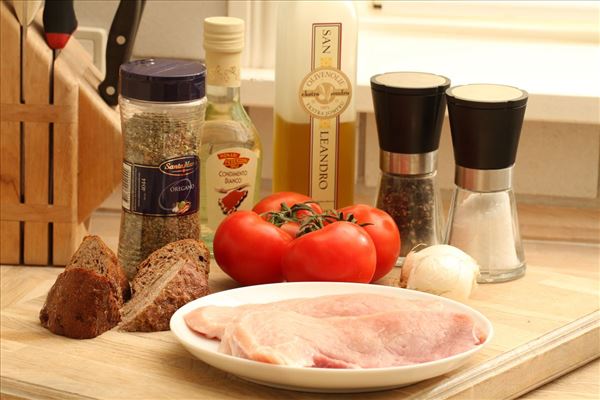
x=319, y=221
x=289, y=214
x=308, y=219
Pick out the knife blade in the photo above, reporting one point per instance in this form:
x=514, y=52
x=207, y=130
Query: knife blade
x=26, y=12
x=119, y=46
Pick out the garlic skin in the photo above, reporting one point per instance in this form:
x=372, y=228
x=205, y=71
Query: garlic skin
x=440, y=269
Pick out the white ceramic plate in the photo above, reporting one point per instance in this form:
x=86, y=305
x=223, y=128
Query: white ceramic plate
x=317, y=379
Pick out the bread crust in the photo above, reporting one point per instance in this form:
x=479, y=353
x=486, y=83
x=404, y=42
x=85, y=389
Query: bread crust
x=152, y=267
x=81, y=304
x=86, y=298
x=114, y=270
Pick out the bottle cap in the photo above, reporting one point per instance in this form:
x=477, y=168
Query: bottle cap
x=409, y=110
x=485, y=122
x=162, y=80
x=224, y=34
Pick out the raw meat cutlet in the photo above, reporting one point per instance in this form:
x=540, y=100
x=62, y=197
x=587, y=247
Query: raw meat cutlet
x=211, y=321
x=386, y=339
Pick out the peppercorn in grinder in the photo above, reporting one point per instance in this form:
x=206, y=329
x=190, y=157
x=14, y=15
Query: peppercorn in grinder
x=485, y=122
x=409, y=112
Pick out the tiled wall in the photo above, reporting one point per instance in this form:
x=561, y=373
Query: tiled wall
x=557, y=163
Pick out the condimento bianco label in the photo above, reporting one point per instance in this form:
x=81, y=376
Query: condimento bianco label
x=231, y=176
x=324, y=94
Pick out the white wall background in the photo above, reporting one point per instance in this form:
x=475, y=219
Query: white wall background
x=169, y=28
x=551, y=49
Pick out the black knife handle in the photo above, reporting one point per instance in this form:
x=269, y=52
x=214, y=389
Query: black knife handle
x=120, y=45
x=59, y=22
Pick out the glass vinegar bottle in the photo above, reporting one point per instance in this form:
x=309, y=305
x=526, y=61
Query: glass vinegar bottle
x=231, y=151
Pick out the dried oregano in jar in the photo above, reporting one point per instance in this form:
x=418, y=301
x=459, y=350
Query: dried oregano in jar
x=162, y=106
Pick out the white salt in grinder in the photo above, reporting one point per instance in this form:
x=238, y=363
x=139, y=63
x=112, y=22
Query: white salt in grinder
x=485, y=122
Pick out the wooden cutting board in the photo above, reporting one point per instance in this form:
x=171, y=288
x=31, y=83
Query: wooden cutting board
x=546, y=323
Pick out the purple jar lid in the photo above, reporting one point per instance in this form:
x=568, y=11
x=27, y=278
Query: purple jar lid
x=162, y=80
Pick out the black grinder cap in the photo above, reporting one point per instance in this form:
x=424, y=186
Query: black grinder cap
x=485, y=122
x=409, y=110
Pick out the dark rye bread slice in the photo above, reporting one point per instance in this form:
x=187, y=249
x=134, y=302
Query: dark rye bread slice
x=157, y=263
x=86, y=298
x=94, y=255
x=81, y=305
x=151, y=307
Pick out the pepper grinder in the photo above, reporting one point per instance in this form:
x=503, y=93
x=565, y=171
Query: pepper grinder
x=485, y=122
x=409, y=112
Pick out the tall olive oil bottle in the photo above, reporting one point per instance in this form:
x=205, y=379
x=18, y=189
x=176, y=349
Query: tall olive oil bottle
x=315, y=118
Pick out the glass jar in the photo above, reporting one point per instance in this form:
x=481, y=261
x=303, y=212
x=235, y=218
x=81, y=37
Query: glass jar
x=411, y=197
x=162, y=104
x=483, y=223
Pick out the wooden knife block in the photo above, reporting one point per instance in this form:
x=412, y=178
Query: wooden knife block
x=60, y=146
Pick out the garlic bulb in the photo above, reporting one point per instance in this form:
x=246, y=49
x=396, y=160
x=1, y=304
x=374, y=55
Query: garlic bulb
x=440, y=269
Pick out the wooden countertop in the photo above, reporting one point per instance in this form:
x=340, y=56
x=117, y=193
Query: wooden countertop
x=546, y=323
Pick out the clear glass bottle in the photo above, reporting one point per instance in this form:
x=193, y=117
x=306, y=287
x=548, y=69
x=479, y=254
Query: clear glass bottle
x=314, y=112
x=162, y=107
x=231, y=149
x=485, y=122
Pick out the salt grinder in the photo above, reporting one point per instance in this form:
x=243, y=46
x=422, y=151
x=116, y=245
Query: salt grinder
x=409, y=111
x=486, y=121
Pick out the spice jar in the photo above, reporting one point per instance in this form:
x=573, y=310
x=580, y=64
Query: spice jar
x=409, y=111
x=162, y=105
x=485, y=122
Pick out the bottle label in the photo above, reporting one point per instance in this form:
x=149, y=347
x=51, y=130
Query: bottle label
x=223, y=69
x=324, y=94
x=230, y=183
x=169, y=189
